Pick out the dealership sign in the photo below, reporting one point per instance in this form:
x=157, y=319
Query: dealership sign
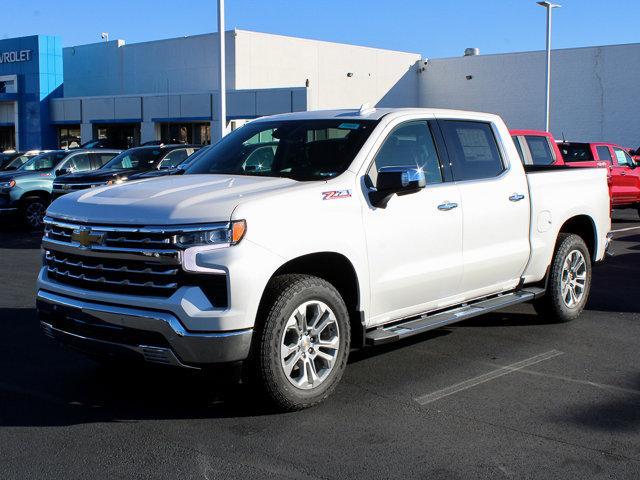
x=15, y=56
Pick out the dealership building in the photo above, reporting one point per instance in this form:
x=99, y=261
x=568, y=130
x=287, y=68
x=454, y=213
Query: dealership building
x=166, y=90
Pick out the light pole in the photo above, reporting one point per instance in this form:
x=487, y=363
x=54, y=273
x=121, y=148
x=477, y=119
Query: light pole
x=222, y=100
x=549, y=6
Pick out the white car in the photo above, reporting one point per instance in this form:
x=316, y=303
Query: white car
x=350, y=228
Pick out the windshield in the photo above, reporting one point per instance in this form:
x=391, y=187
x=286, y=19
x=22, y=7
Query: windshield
x=44, y=161
x=135, y=159
x=17, y=162
x=298, y=149
x=576, y=152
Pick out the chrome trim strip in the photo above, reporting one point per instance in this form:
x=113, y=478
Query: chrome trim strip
x=169, y=229
x=163, y=317
x=171, y=257
x=8, y=209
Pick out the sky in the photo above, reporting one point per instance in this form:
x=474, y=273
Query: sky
x=432, y=28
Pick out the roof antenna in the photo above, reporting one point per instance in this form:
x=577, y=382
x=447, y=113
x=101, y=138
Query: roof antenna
x=564, y=140
x=366, y=109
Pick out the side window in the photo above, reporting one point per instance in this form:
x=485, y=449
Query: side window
x=516, y=141
x=260, y=158
x=603, y=153
x=472, y=149
x=78, y=163
x=541, y=152
x=174, y=158
x=623, y=159
x=410, y=144
x=102, y=159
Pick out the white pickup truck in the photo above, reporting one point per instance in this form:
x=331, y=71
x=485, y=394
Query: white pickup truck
x=301, y=236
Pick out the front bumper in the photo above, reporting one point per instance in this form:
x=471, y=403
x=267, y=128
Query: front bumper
x=154, y=336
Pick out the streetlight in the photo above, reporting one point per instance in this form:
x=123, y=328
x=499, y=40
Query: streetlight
x=549, y=6
x=222, y=101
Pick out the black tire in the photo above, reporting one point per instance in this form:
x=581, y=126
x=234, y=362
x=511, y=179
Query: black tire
x=553, y=306
x=32, y=212
x=284, y=294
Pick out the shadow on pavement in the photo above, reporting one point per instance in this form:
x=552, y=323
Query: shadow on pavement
x=619, y=413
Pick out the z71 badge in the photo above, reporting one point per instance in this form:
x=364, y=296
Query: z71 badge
x=335, y=194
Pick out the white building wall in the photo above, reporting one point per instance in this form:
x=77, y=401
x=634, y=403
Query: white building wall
x=175, y=65
x=593, y=97
x=383, y=77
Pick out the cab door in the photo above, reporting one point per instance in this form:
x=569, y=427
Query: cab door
x=414, y=245
x=496, y=206
x=625, y=180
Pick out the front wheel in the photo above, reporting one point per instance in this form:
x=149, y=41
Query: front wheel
x=33, y=211
x=569, y=281
x=303, y=341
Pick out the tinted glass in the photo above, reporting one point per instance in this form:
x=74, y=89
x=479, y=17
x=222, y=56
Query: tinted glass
x=44, y=161
x=409, y=145
x=78, y=163
x=136, y=158
x=304, y=149
x=541, y=153
x=604, y=153
x=516, y=142
x=576, y=152
x=174, y=158
x=17, y=162
x=472, y=149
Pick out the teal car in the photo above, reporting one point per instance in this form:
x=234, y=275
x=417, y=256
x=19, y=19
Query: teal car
x=26, y=192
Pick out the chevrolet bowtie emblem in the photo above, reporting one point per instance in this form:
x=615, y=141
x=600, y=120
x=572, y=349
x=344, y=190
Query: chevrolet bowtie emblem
x=86, y=238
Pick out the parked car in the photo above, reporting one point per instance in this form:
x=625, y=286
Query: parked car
x=120, y=168
x=17, y=159
x=367, y=227
x=536, y=147
x=623, y=174
x=27, y=190
x=177, y=170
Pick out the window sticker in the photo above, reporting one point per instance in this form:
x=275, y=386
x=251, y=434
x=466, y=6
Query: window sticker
x=349, y=126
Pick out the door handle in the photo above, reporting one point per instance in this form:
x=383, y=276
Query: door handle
x=447, y=206
x=516, y=197
x=623, y=173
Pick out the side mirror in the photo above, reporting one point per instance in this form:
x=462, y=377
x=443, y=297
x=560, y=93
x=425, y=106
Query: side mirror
x=61, y=171
x=396, y=180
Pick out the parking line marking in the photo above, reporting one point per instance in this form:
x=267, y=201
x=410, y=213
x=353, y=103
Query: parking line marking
x=473, y=382
x=620, y=230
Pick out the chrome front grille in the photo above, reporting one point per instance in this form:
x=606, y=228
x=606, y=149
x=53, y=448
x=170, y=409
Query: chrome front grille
x=132, y=278
x=125, y=260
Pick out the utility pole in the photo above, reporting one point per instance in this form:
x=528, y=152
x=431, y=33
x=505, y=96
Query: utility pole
x=222, y=100
x=549, y=6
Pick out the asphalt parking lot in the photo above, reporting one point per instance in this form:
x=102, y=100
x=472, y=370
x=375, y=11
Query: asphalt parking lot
x=504, y=395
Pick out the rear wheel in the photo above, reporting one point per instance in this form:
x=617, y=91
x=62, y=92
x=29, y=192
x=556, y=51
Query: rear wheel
x=569, y=280
x=33, y=211
x=303, y=342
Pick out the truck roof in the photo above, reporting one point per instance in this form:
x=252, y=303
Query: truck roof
x=365, y=113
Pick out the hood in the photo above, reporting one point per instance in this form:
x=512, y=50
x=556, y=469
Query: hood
x=97, y=176
x=168, y=200
x=18, y=174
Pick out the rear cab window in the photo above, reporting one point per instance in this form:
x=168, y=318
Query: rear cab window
x=473, y=149
x=576, y=152
x=541, y=151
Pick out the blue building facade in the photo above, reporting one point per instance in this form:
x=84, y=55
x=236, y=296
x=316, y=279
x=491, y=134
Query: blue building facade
x=31, y=74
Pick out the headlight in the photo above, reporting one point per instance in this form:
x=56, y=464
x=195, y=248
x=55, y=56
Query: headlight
x=7, y=185
x=117, y=181
x=224, y=235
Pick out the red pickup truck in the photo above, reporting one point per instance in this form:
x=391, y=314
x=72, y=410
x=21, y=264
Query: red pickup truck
x=624, y=175
x=536, y=147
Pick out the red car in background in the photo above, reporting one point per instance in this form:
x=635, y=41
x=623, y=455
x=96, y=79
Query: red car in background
x=624, y=175
x=536, y=147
